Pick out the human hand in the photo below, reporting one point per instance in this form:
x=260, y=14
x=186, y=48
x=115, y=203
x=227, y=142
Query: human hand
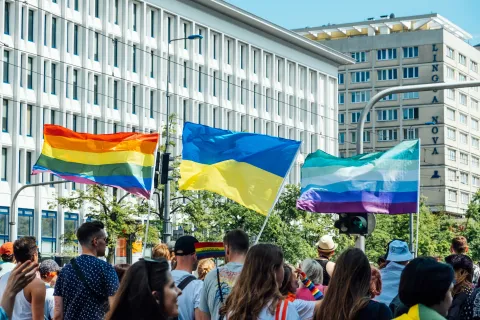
x=21, y=276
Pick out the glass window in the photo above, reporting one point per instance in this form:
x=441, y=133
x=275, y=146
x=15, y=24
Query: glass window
x=341, y=118
x=75, y=84
x=6, y=66
x=5, y=116
x=410, y=113
x=134, y=58
x=4, y=164
x=341, y=97
x=463, y=158
x=28, y=167
x=452, y=155
x=116, y=11
x=341, y=78
x=390, y=97
x=410, y=134
x=387, y=135
x=411, y=95
x=134, y=17
x=49, y=231
x=360, y=96
x=341, y=137
x=463, y=118
x=450, y=53
x=115, y=95
x=387, y=54
x=95, y=90
x=387, y=115
x=30, y=25
x=452, y=195
x=54, y=33
x=6, y=22
x=4, y=224
x=360, y=76
x=25, y=222
x=151, y=103
x=410, y=52
x=152, y=23
x=54, y=75
x=462, y=59
x=97, y=43
x=134, y=100
x=359, y=56
x=75, y=40
x=185, y=74
x=97, y=8
x=30, y=73
x=152, y=64
x=387, y=74
x=200, y=43
x=410, y=73
x=451, y=134
x=29, y=120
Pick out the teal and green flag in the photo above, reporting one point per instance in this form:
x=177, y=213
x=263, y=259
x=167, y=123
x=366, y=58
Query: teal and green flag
x=380, y=182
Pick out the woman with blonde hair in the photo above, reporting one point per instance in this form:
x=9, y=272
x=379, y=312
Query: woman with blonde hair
x=204, y=267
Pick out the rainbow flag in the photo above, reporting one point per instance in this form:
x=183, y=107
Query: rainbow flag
x=245, y=167
x=380, y=182
x=206, y=250
x=123, y=160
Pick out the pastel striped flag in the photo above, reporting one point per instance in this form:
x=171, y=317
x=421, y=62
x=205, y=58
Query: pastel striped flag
x=124, y=160
x=380, y=182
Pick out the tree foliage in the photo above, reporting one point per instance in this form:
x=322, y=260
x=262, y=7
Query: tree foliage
x=120, y=216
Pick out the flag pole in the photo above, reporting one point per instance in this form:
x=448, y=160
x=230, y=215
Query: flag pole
x=146, y=231
x=278, y=197
x=418, y=198
x=150, y=196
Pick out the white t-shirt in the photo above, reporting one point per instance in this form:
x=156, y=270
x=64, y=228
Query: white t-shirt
x=190, y=298
x=304, y=308
x=291, y=314
x=6, y=267
x=49, y=302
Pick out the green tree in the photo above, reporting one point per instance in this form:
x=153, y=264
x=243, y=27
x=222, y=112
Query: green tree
x=118, y=215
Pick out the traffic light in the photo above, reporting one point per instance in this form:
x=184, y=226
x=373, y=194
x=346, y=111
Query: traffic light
x=165, y=172
x=157, y=171
x=353, y=223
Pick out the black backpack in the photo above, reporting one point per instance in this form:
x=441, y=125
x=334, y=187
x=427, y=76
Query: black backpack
x=182, y=285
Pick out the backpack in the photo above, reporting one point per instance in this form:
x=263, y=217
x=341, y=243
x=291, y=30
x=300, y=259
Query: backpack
x=182, y=285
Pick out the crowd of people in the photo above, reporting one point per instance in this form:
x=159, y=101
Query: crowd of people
x=253, y=282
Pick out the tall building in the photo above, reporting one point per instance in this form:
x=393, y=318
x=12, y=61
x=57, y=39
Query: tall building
x=404, y=51
x=99, y=66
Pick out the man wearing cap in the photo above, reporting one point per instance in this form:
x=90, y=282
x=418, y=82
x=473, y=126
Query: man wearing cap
x=8, y=259
x=397, y=258
x=48, y=273
x=191, y=287
x=326, y=249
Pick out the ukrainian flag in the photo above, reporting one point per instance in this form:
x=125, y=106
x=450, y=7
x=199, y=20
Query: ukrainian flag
x=245, y=167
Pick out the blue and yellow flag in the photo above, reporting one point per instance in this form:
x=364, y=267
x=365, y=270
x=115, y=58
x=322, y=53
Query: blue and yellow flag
x=245, y=167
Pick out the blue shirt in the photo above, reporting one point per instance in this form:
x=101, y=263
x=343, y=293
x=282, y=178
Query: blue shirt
x=390, y=282
x=78, y=301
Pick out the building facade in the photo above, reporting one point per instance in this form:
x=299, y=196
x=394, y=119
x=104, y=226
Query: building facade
x=100, y=66
x=404, y=51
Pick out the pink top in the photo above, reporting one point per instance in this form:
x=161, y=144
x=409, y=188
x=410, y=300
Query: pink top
x=305, y=294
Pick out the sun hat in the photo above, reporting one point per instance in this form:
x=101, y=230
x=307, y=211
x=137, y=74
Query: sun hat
x=398, y=251
x=326, y=244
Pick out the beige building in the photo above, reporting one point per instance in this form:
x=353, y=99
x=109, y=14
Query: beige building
x=403, y=51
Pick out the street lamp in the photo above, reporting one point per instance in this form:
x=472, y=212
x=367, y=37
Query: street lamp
x=167, y=228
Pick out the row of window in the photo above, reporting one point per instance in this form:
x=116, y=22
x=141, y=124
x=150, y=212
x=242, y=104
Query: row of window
x=462, y=59
x=462, y=118
x=48, y=226
x=464, y=158
x=463, y=177
x=382, y=135
x=452, y=196
x=382, y=75
x=382, y=115
x=452, y=135
x=386, y=54
x=73, y=32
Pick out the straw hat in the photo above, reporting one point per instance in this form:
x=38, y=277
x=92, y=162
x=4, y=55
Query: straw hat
x=326, y=244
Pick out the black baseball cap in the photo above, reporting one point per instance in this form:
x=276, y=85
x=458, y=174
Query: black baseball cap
x=185, y=245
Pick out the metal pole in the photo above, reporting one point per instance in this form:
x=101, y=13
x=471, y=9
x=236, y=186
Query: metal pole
x=411, y=233
x=14, y=213
x=360, y=243
x=146, y=231
x=167, y=225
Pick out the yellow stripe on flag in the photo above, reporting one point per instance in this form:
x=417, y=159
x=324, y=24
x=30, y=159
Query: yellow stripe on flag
x=248, y=185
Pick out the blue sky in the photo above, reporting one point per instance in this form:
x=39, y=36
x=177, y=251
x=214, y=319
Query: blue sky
x=302, y=13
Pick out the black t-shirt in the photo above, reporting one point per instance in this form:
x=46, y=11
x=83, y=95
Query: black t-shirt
x=374, y=311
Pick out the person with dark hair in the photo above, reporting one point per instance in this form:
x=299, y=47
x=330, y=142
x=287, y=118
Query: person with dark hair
x=8, y=259
x=426, y=289
x=146, y=292
x=290, y=283
x=219, y=282
x=256, y=294
x=397, y=258
x=460, y=246
x=187, y=261
x=86, y=285
x=21, y=276
x=463, y=288
x=29, y=302
x=120, y=269
x=48, y=273
x=348, y=296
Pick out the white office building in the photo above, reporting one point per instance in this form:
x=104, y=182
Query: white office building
x=99, y=66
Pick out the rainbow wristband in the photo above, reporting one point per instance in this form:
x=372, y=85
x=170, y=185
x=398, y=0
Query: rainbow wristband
x=317, y=294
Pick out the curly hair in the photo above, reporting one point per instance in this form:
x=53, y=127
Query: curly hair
x=375, y=283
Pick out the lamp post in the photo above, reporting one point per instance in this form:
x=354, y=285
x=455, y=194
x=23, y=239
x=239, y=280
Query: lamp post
x=360, y=243
x=167, y=226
